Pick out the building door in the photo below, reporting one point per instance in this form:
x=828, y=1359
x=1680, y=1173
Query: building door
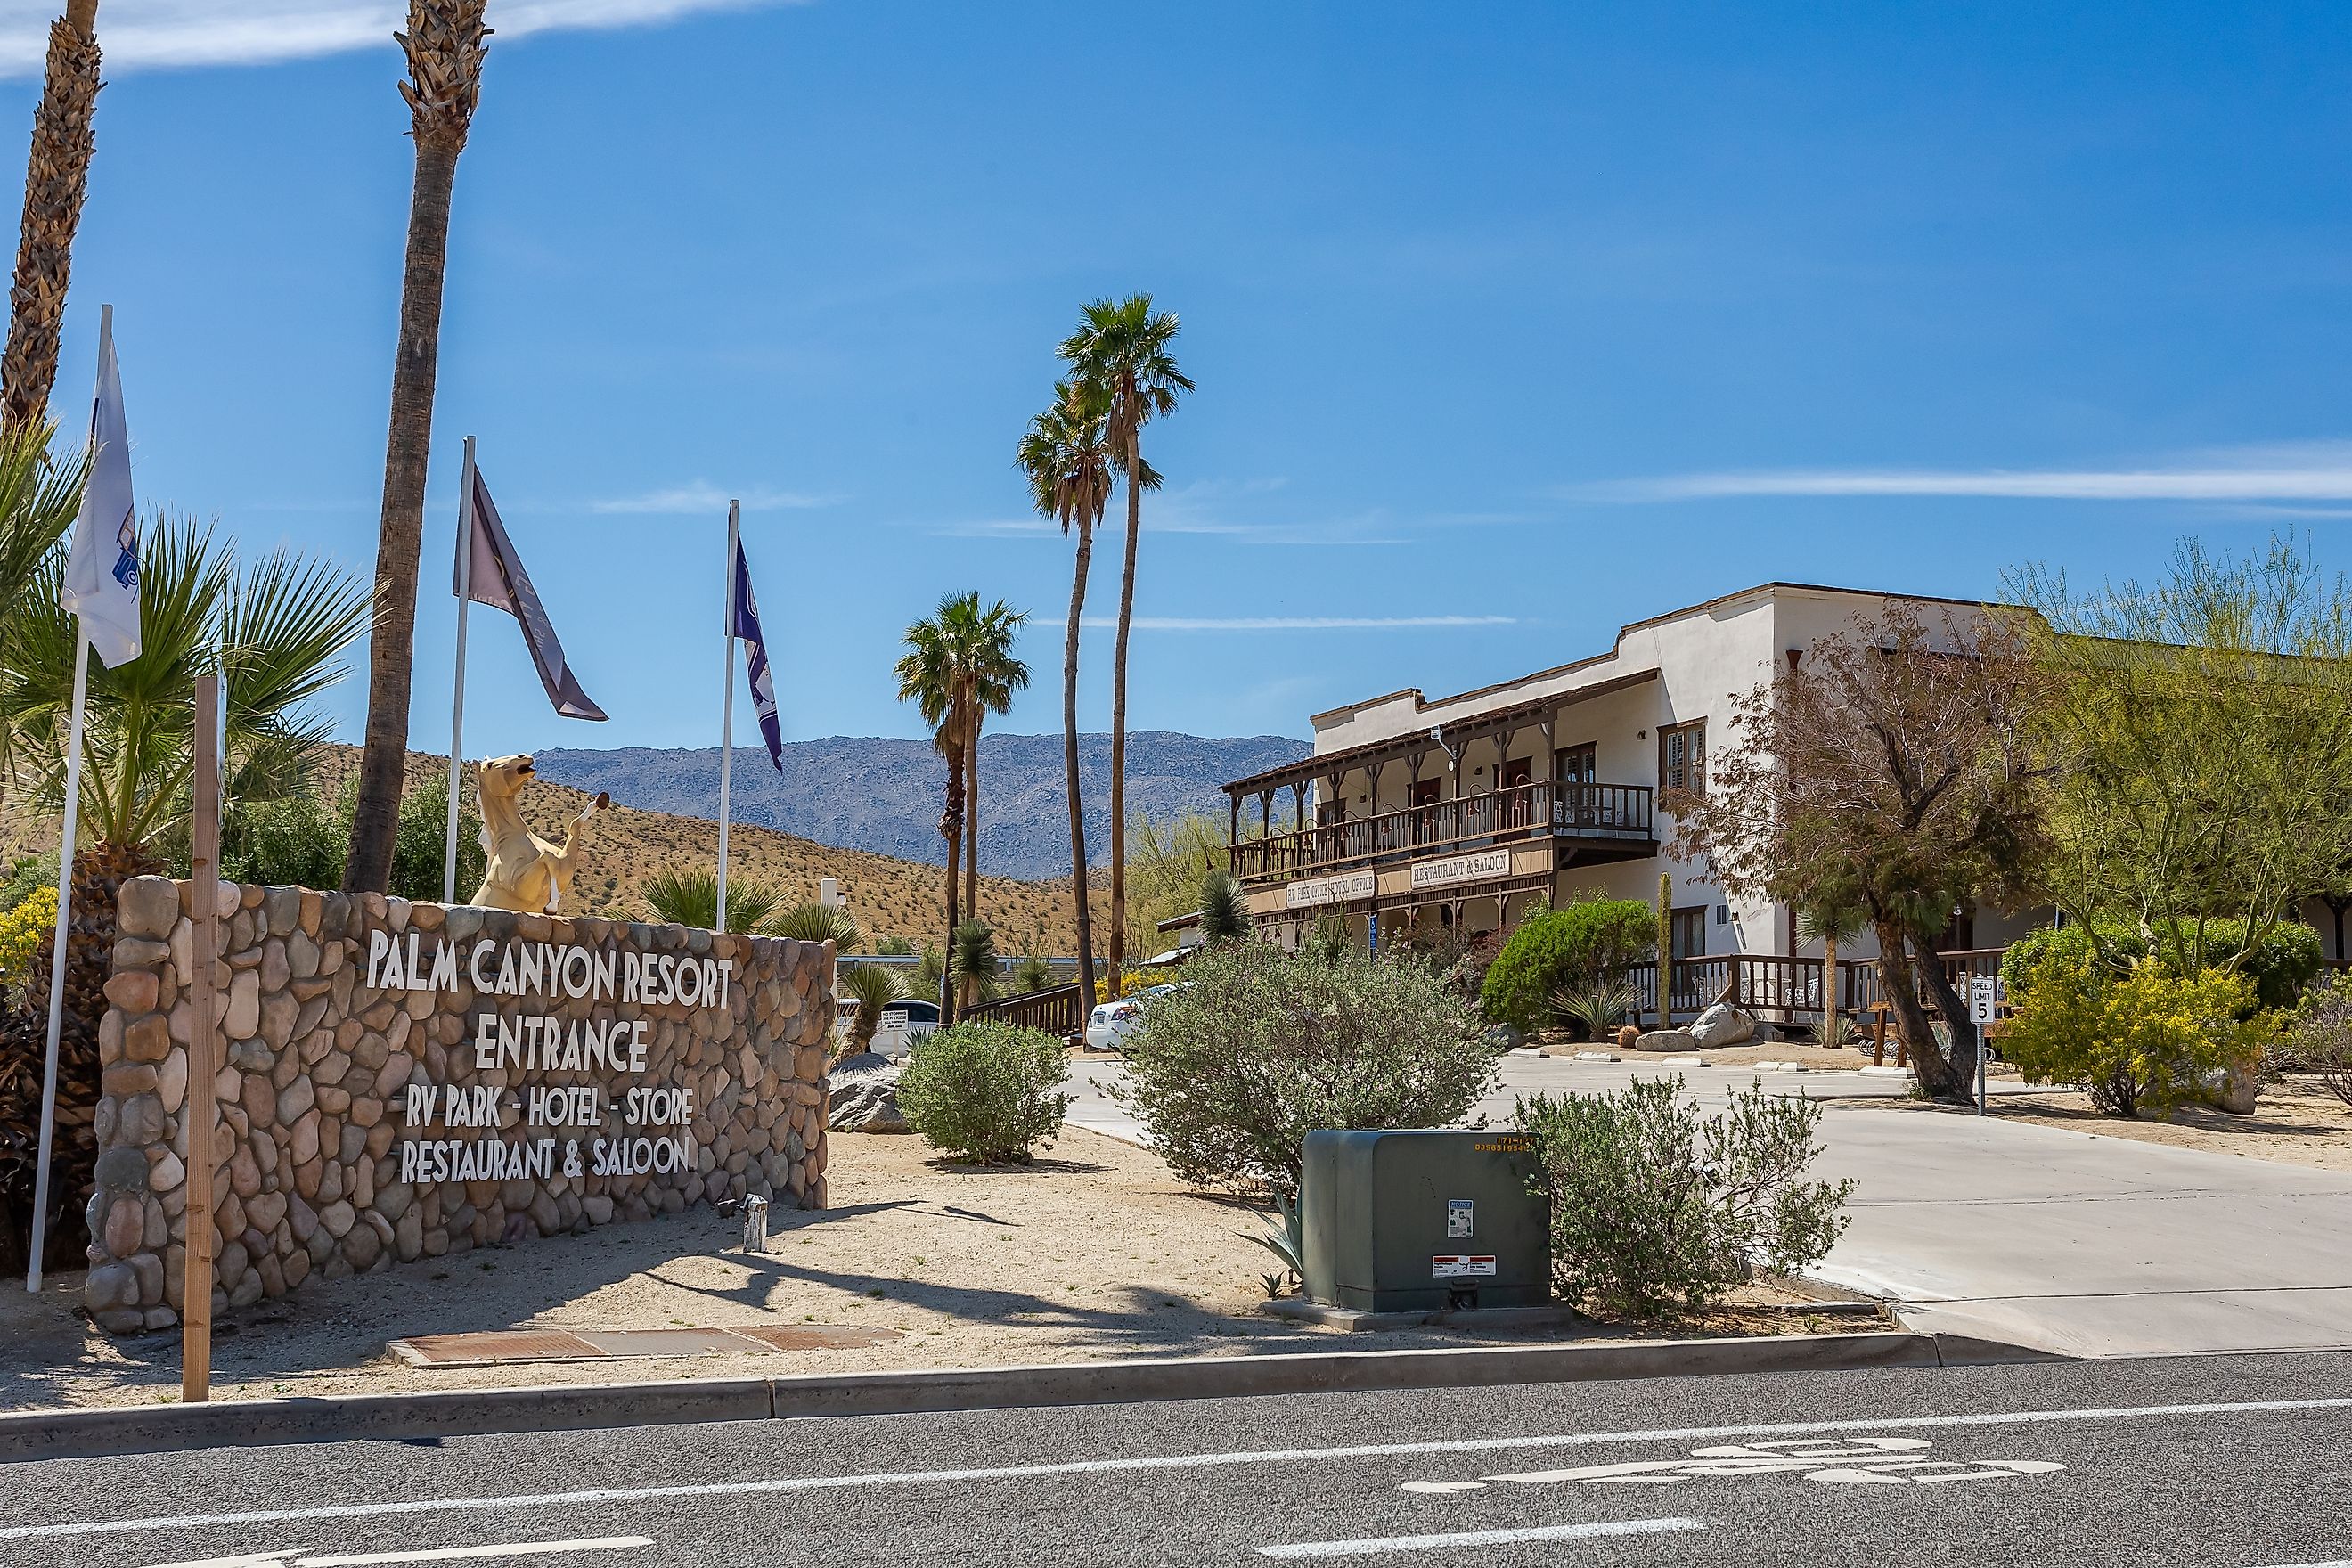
x=1574, y=806
x=1511, y=779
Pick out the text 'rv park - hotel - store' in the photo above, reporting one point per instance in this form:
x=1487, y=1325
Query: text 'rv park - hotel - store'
x=1470, y=810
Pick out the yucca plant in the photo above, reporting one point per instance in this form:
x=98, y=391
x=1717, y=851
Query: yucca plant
x=873, y=986
x=677, y=896
x=1598, y=1008
x=1031, y=972
x=977, y=967
x=813, y=921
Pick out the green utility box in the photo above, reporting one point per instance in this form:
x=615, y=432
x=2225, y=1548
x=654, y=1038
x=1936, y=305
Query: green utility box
x=1423, y=1222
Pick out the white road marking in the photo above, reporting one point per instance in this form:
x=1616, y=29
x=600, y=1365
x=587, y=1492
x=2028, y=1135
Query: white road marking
x=1377, y=1544
x=1854, y=1462
x=591, y=1496
x=295, y=1557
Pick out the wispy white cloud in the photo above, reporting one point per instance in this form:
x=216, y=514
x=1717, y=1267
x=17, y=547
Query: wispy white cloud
x=1299, y=623
x=2300, y=472
x=702, y=495
x=149, y=34
x=1206, y=507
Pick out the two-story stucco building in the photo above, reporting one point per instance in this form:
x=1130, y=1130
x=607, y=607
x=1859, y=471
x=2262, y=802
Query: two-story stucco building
x=1468, y=810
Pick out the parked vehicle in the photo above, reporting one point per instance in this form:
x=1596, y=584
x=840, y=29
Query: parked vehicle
x=1109, y=1024
x=903, y=1022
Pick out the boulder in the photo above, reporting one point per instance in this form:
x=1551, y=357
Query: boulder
x=1722, y=1024
x=2234, y=1089
x=1667, y=1040
x=864, y=1090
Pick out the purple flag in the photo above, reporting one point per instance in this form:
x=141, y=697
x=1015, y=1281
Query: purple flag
x=497, y=579
x=743, y=621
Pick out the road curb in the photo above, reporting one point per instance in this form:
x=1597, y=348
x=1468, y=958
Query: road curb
x=409, y=1417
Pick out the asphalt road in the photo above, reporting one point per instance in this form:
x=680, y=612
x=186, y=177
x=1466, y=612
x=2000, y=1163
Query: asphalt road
x=2232, y=1462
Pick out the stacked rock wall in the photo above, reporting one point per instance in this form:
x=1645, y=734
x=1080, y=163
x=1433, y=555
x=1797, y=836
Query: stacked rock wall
x=403, y=1081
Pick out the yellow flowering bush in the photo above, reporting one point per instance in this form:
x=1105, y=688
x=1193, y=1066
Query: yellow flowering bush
x=1135, y=979
x=21, y=929
x=2141, y=1041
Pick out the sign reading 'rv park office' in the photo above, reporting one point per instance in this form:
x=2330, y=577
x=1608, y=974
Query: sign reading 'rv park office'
x=1315, y=890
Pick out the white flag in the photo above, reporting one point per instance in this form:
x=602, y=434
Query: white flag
x=102, y=582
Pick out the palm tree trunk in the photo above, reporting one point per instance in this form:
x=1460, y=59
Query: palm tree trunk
x=952, y=829
x=57, y=177
x=971, y=823
x=444, y=44
x=1119, y=718
x=1070, y=762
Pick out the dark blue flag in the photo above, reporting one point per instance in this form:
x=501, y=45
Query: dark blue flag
x=743, y=621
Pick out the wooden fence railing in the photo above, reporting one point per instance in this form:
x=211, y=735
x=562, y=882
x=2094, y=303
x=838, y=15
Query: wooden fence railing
x=1059, y=1010
x=1785, y=988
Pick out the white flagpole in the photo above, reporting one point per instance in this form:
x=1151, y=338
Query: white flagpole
x=726, y=705
x=457, y=697
x=57, y=958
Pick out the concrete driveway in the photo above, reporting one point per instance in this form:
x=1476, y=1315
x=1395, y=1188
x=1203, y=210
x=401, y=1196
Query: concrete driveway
x=2068, y=1242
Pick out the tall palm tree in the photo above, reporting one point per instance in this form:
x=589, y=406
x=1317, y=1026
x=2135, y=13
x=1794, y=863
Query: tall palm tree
x=1120, y=353
x=957, y=665
x=282, y=624
x=996, y=677
x=1068, y=455
x=444, y=44
x=57, y=177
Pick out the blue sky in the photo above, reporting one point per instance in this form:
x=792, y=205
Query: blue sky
x=1511, y=323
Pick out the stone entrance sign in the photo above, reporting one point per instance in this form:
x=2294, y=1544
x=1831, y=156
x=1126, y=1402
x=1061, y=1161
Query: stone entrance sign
x=405, y=1080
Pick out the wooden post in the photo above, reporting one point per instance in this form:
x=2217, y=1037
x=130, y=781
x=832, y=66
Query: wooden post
x=202, y=1113
x=1665, y=947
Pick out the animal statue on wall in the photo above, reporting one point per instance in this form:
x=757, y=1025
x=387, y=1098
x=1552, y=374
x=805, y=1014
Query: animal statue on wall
x=526, y=873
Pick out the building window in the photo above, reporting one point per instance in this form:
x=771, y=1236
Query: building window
x=1689, y=933
x=1574, y=764
x=1682, y=756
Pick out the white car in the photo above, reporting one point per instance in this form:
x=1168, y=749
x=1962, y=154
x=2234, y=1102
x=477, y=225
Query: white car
x=1109, y=1024
x=904, y=1022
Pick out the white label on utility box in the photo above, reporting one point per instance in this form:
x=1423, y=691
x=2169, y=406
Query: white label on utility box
x=1459, y=1214
x=1459, y=1266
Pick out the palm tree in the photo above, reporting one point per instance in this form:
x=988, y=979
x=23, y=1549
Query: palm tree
x=1067, y=455
x=813, y=921
x=690, y=898
x=282, y=624
x=57, y=177
x=997, y=676
x=444, y=47
x=1120, y=354
x=38, y=499
x=958, y=665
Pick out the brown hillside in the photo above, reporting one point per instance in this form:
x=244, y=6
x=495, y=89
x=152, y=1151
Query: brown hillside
x=886, y=897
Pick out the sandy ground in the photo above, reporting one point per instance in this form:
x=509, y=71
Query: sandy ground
x=2297, y=1123
x=1094, y=1251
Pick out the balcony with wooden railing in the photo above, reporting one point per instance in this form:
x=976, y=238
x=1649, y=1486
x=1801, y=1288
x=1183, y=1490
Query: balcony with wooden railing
x=1615, y=816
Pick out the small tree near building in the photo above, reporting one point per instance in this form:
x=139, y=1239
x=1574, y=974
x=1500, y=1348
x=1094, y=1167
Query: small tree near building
x=1886, y=772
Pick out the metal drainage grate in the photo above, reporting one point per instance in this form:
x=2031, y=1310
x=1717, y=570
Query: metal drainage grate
x=511, y=1346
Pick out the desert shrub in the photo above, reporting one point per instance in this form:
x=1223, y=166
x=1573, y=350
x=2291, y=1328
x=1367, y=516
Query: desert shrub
x=26, y=876
x=1230, y=1070
x=985, y=1090
x=2282, y=964
x=2138, y=1042
x=1655, y=1207
x=1599, y=1009
x=21, y=929
x=2279, y=967
x=1576, y=949
x=2318, y=1036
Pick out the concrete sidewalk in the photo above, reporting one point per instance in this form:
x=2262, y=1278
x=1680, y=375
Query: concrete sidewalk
x=2068, y=1242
